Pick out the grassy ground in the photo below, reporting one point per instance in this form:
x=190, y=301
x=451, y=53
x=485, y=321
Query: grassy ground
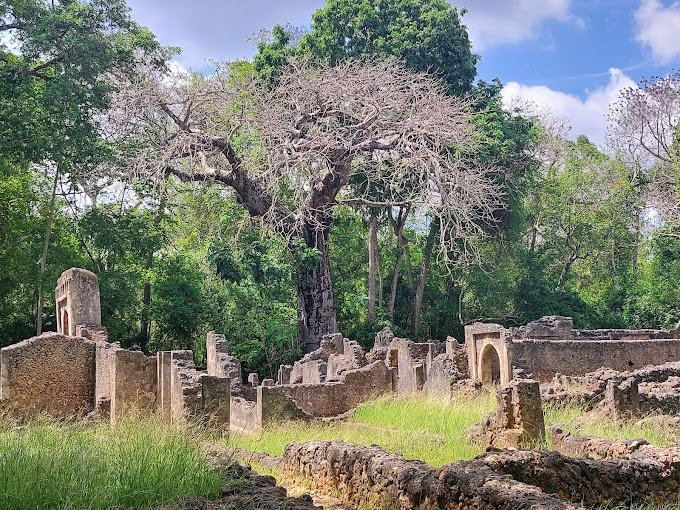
x=573, y=419
x=420, y=428
x=136, y=464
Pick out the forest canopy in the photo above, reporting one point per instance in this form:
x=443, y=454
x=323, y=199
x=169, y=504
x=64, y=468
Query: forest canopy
x=351, y=176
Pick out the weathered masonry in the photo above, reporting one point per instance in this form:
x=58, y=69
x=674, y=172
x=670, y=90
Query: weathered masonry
x=551, y=345
x=76, y=371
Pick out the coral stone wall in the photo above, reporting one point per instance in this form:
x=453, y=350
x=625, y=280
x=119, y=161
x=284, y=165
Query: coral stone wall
x=335, y=398
x=369, y=477
x=243, y=414
x=135, y=382
x=572, y=357
x=51, y=373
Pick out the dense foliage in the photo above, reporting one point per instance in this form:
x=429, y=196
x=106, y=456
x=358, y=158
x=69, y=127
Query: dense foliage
x=577, y=235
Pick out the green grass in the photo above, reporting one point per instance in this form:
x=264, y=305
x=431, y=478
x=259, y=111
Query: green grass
x=427, y=429
x=138, y=463
x=570, y=417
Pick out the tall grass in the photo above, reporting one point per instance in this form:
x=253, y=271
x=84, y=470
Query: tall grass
x=427, y=429
x=575, y=419
x=137, y=463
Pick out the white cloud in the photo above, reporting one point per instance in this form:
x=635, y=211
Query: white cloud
x=586, y=116
x=658, y=27
x=492, y=22
x=217, y=29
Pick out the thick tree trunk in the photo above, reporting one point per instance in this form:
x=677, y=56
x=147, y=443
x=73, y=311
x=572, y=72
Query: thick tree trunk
x=43, y=258
x=372, y=266
x=420, y=287
x=316, y=305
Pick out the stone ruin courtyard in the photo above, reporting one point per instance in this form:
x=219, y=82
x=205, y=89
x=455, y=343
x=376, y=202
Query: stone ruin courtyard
x=625, y=375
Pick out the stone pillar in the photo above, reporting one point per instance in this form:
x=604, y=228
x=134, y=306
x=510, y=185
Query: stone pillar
x=518, y=421
x=283, y=376
x=77, y=301
x=623, y=398
x=215, y=396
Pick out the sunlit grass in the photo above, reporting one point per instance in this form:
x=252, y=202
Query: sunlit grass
x=138, y=463
x=574, y=418
x=418, y=427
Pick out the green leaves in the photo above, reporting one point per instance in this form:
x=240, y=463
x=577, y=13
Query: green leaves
x=426, y=35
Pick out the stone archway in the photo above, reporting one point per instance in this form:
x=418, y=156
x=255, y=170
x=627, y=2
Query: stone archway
x=65, y=327
x=490, y=365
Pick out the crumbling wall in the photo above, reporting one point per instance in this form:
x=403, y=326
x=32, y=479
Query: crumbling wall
x=220, y=363
x=447, y=370
x=135, y=382
x=518, y=420
x=372, y=477
x=573, y=357
x=216, y=401
x=550, y=345
x=336, y=398
x=104, y=376
x=51, y=373
x=636, y=480
x=243, y=414
x=274, y=405
x=329, y=362
x=185, y=387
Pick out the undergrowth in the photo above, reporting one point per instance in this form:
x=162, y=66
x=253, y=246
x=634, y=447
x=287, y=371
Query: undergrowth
x=137, y=463
x=421, y=428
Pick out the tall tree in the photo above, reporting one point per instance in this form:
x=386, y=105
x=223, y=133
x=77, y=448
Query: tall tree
x=426, y=35
x=54, y=83
x=288, y=153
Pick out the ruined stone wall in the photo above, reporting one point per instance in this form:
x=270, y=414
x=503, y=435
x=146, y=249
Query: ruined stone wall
x=185, y=387
x=135, y=382
x=335, y=398
x=274, y=405
x=220, y=363
x=543, y=359
x=104, y=376
x=51, y=373
x=243, y=414
x=371, y=477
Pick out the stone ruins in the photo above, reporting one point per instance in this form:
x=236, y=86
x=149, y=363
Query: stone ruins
x=76, y=372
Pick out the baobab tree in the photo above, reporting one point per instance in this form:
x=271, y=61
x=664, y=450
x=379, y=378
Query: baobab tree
x=289, y=152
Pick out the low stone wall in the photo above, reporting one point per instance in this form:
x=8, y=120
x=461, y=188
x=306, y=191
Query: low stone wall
x=638, y=479
x=372, y=477
x=51, y=373
x=544, y=358
x=589, y=447
x=336, y=398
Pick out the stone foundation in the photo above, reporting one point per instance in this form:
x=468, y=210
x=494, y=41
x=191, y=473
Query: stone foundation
x=372, y=477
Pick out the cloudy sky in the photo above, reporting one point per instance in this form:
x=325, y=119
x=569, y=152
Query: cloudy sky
x=571, y=56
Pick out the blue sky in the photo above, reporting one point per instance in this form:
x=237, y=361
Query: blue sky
x=568, y=56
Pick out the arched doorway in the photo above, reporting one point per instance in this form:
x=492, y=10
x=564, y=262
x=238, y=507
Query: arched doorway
x=490, y=365
x=64, y=323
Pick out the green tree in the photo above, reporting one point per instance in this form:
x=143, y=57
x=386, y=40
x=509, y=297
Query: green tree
x=427, y=35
